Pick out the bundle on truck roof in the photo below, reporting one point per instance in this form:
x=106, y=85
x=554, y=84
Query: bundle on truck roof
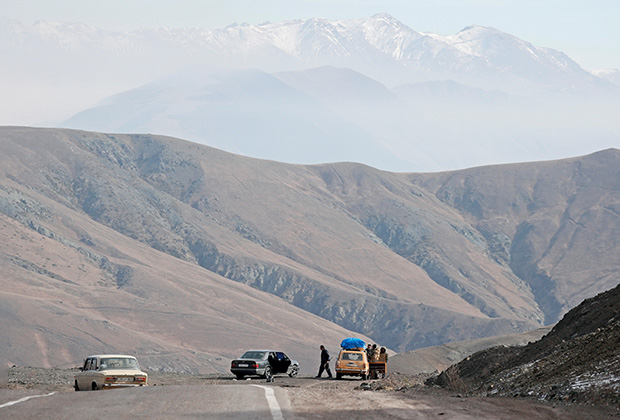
x=352, y=343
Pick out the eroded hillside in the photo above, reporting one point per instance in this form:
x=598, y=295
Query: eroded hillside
x=553, y=224
x=401, y=258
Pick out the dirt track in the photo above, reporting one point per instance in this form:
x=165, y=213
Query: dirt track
x=190, y=396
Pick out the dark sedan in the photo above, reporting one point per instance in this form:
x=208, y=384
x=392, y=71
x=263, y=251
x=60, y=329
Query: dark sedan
x=264, y=363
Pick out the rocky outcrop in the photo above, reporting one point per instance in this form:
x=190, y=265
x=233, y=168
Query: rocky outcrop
x=577, y=361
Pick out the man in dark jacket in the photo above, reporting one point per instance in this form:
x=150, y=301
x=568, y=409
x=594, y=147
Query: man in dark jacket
x=324, y=362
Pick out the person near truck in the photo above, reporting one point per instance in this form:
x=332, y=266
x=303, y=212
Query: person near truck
x=383, y=356
x=324, y=362
x=374, y=355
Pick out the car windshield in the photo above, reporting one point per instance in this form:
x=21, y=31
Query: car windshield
x=351, y=356
x=118, y=363
x=254, y=355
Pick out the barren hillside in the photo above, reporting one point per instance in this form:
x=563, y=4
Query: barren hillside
x=160, y=246
x=577, y=361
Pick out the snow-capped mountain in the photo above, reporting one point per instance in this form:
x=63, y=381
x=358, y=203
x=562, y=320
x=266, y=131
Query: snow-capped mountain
x=307, y=91
x=380, y=47
x=611, y=75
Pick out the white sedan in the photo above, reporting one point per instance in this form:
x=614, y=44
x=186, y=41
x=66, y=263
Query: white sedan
x=109, y=370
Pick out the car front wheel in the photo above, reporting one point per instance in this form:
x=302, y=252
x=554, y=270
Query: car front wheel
x=75, y=386
x=268, y=374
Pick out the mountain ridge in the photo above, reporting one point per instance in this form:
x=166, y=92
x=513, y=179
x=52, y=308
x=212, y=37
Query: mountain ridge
x=380, y=42
x=408, y=260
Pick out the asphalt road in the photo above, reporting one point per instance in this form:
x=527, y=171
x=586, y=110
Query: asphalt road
x=286, y=398
x=163, y=402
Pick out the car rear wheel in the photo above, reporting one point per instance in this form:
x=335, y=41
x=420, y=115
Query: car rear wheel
x=239, y=376
x=294, y=372
x=338, y=375
x=94, y=386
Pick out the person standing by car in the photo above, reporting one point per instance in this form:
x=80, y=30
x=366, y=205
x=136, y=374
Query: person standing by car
x=324, y=362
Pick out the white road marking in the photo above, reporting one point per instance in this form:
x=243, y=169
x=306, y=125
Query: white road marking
x=21, y=400
x=276, y=412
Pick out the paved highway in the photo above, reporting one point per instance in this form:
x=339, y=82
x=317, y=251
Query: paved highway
x=284, y=399
x=155, y=402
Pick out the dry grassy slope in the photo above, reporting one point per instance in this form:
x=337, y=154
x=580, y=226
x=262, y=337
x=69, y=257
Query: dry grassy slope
x=555, y=224
x=61, y=300
x=155, y=221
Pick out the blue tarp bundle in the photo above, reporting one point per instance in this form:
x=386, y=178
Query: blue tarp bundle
x=352, y=343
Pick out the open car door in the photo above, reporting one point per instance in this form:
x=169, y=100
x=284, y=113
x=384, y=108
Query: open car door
x=282, y=362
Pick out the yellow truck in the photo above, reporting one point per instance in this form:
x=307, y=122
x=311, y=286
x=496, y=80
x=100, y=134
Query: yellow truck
x=352, y=362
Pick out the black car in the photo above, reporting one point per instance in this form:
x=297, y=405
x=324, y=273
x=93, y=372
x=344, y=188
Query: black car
x=265, y=363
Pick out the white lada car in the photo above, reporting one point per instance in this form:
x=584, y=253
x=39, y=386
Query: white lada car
x=109, y=370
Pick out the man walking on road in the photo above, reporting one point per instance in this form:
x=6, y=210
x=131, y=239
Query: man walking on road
x=324, y=362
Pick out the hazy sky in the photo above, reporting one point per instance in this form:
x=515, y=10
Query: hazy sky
x=588, y=31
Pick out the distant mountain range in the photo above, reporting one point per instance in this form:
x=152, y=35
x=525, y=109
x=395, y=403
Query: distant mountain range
x=331, y=114
x=381, y=47
x=187, y=255
x=368, y=90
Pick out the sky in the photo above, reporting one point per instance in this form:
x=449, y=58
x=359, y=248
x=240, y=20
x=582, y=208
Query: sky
x=587, y=31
